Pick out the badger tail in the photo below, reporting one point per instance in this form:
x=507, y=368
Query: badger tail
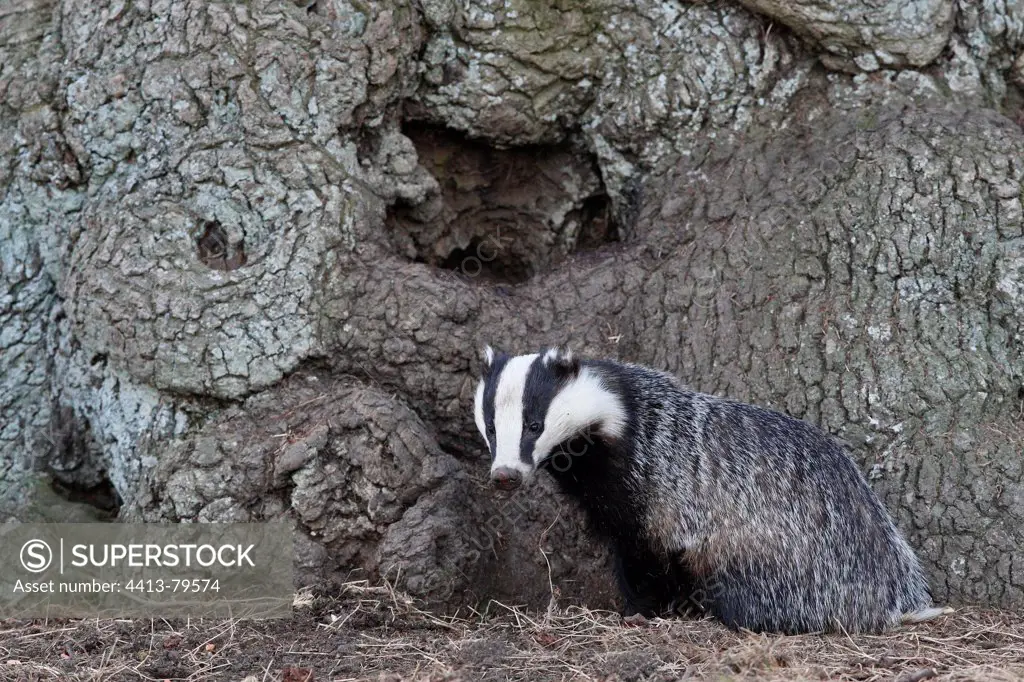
x=922, y=615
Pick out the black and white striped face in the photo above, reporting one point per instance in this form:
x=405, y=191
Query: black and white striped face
x=526, y=406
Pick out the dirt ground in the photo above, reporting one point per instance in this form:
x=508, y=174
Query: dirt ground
x=374, y=633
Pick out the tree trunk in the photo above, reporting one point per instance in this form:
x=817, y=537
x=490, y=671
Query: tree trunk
x=250, y=254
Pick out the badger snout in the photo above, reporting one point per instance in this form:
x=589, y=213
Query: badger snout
x=505, y=478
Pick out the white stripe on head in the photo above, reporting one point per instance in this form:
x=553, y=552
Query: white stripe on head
x=478, y=412
x=554, y=353
x=508, y=414
x=584, y=402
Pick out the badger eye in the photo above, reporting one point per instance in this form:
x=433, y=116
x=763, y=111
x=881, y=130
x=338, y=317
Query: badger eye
x=534, y=427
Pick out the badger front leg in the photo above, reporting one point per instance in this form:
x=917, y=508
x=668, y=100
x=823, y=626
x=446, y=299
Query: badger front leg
x=655, y=586
x=635, y=583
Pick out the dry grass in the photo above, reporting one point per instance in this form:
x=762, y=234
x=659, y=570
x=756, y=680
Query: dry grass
x=372, y=632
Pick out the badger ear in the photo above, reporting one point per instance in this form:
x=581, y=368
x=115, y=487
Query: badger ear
x=562, y=361
x=488, y=355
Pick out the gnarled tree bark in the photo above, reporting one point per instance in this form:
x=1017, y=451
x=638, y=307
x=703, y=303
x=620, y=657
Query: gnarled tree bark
x=251, y=253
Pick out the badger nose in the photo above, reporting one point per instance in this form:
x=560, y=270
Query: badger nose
x=504, y=478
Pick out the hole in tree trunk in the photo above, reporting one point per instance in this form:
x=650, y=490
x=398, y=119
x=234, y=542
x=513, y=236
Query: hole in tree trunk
x=216, y=251
x=103, y=496
x=76, y=466
x=501, y=214
x=480, y=259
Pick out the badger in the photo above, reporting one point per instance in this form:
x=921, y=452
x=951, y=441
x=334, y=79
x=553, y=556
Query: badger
x=707, y=505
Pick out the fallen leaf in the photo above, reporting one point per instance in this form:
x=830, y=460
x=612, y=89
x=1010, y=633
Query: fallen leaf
x=296, y=675
x=917, y=675
x=545, y=638
x=636, y=620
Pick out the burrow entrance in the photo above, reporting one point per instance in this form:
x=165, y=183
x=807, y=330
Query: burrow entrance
x=76, y=467
x=103, y=496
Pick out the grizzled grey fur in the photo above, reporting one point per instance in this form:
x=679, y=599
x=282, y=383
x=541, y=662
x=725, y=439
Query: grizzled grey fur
x=708, y=504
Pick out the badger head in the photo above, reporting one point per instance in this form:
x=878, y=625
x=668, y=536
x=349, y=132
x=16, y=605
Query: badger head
x=528, y=407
